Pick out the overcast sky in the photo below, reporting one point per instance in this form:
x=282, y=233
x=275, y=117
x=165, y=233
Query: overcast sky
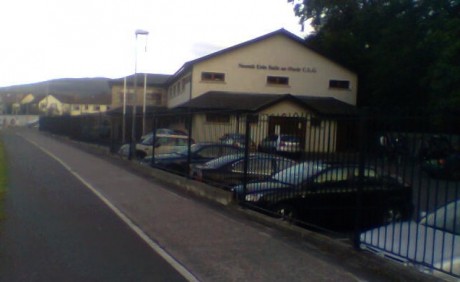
x=48, y=39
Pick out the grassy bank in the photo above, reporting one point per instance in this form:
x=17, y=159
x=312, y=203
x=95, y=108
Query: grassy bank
x=2, y=179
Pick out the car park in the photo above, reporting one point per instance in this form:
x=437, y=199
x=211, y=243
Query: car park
x=199, y=153
x=282, y=143
x=229, y=170
x=431, y=245
x=326, y=195
x=164, y=143
x=237, y=140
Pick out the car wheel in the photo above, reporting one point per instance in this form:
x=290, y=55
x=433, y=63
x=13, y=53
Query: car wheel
x=286, y=212
x=392, y=214
x=140, y=155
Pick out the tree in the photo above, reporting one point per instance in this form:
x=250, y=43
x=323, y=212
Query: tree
x=406, y=52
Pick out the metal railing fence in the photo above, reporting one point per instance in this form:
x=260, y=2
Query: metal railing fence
x=390, y=183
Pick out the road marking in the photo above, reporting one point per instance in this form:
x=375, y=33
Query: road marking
x=154, y=246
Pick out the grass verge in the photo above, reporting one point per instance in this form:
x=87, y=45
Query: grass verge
x=2, y=180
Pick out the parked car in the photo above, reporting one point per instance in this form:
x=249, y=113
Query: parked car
x=432, y=244
x=392, y=146
x=164, y=143
x=162, y=131
x=199, y=153
x=447, y=167
x=436, y=147
x=228, y=171
x=280, y=144
x=237, y=140
x=325, y=195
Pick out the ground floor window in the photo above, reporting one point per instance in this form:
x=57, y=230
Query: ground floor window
x=339, y=84
x=221, y=118
x=277, y=80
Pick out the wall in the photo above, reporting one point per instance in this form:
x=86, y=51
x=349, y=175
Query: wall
x=17, y=120
x=246, y=70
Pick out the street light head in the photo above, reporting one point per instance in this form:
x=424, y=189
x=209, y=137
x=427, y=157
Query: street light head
x=141, y=32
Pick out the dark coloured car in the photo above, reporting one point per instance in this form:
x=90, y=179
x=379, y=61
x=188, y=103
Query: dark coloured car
x=447, y=167
x=326, y=195
x=435, y=147
x=228, y=171
x=199, y=153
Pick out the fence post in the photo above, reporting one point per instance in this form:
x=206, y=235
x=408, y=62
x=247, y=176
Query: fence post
x=246, y=151
x=189, y=144
x=154, y=137
x=362, y=135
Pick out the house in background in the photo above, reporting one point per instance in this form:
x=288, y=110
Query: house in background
x=73, y=105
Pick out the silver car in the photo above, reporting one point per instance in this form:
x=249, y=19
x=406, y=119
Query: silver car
x=432, y=245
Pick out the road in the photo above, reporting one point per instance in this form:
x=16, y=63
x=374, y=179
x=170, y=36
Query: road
x=57, y=230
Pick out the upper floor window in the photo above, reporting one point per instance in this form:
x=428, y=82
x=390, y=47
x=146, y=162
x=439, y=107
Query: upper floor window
x=212, y=76
x=339, y=84
x=277, y=80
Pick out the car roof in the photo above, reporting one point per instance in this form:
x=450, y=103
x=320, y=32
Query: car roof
x=224, y=160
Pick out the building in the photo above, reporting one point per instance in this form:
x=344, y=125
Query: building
x=69, y=105
x=276, y=63
x=274, y=75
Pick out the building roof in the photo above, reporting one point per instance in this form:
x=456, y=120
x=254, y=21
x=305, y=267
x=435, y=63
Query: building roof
x=254, y=102
x=188, y=65
x=152, y=79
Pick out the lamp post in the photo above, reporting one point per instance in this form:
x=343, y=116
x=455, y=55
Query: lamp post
x=133, y=129
x=123, y=128
x=144, y=107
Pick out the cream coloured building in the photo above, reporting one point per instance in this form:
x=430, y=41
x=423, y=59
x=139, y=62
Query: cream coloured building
x=276, y=63
x=276, y=69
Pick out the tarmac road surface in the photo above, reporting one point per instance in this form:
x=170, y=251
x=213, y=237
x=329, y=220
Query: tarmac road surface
x=57, y=230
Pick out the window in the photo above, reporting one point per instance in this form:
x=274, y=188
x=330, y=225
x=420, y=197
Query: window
x=76, y=107
x=315, y=122
x=210, y=152
x=97, y=108
x=277, y=80
x=154, y=98
x=212, y=76
x=339, y=84
x=218, y=118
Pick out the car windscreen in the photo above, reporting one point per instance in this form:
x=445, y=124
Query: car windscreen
x=193, y=149
x=298, y=173
x=223, y=160
x=288, y=138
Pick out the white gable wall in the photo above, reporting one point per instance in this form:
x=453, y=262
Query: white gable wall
x=246, y=70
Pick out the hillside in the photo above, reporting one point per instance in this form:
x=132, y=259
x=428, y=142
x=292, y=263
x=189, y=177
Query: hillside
x=65, y=86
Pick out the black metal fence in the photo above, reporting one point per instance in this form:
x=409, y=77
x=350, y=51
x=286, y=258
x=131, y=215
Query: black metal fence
x=392, y=184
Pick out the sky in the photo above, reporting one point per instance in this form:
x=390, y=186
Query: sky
x=50, y=39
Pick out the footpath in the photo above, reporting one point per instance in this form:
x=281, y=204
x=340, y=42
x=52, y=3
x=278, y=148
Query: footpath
x=213, y=240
